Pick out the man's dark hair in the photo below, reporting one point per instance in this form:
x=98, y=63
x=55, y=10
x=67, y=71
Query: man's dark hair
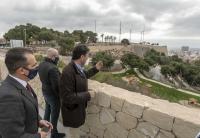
x=15, y=58
x=79, y=51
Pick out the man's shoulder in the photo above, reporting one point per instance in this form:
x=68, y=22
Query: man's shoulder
x=5, y=84
x=7, y=89
x=44, y=63
x=69, y=68
x=46, y=66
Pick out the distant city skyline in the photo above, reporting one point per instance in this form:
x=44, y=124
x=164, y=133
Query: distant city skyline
x=168, y=22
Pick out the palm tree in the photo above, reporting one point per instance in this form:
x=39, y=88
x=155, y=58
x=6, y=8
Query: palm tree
x=102, y=37
x=111, y=37
x=114, y=39
x=106, y=38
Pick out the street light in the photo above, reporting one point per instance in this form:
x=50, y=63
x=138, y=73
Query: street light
x=24, y=37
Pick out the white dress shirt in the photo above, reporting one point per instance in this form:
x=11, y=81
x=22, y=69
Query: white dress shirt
x=22, y=82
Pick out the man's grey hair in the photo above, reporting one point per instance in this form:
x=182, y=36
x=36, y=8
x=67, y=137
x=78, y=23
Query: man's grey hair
x=51, y=52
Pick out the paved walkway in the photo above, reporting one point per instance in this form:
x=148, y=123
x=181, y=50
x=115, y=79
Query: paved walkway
x=119, y=72
x=160, y=83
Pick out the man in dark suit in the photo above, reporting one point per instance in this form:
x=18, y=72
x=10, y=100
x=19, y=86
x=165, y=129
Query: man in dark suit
x=19, y=117
x=74, y=87
x=50, y=76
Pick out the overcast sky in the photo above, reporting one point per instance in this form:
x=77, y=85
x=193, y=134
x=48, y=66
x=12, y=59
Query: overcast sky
x=171, y=22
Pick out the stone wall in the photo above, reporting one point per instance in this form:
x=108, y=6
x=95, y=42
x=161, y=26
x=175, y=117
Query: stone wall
x=3, y=69
x=117, y=113
x=138, y=49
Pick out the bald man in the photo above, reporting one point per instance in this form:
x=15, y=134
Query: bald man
x=49, y=76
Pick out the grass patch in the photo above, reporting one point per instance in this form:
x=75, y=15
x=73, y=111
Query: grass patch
x=102, y=77
x=113, y=79
x=170, y=94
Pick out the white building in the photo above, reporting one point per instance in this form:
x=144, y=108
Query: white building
x=16, y=43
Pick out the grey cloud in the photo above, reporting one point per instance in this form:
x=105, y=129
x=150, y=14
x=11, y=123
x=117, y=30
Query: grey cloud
x=186, y=26
x=108, y=17
x=151, y=9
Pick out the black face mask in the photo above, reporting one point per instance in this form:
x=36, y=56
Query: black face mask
x=32, y=73
x=55, y=61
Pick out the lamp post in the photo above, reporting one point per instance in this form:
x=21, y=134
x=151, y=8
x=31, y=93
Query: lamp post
x=24, y=37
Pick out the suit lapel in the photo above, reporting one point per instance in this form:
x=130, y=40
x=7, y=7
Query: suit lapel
x=23, y=91
x=78, y=71
x=81, y=73
x=31, y=98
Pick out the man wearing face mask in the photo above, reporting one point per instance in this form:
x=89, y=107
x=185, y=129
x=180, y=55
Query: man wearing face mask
x=74, y=87
x=49, y=76
x=19, y=117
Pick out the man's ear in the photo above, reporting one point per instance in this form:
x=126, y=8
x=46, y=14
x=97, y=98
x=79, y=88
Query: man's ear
x=82, y=56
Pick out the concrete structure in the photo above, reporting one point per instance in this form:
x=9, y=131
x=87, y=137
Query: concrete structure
x=3, y=42
x=16, y=43
x=138, y=49
x=141, y=50
x=185, y=48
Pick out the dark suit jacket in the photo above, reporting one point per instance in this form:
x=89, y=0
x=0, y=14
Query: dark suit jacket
x=18, y=111
x=74, y=94
x=49, y=76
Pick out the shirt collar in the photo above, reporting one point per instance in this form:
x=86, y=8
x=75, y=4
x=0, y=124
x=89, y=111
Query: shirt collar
x=79, y=67
x=22, y=82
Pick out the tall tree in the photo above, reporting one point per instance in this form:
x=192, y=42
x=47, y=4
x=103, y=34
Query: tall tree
x=102, y=35
x=66, y=45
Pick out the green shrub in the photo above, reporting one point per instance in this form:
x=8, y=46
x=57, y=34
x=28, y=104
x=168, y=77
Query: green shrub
x=107, y=59
x=133, y=61
x=39, y=57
